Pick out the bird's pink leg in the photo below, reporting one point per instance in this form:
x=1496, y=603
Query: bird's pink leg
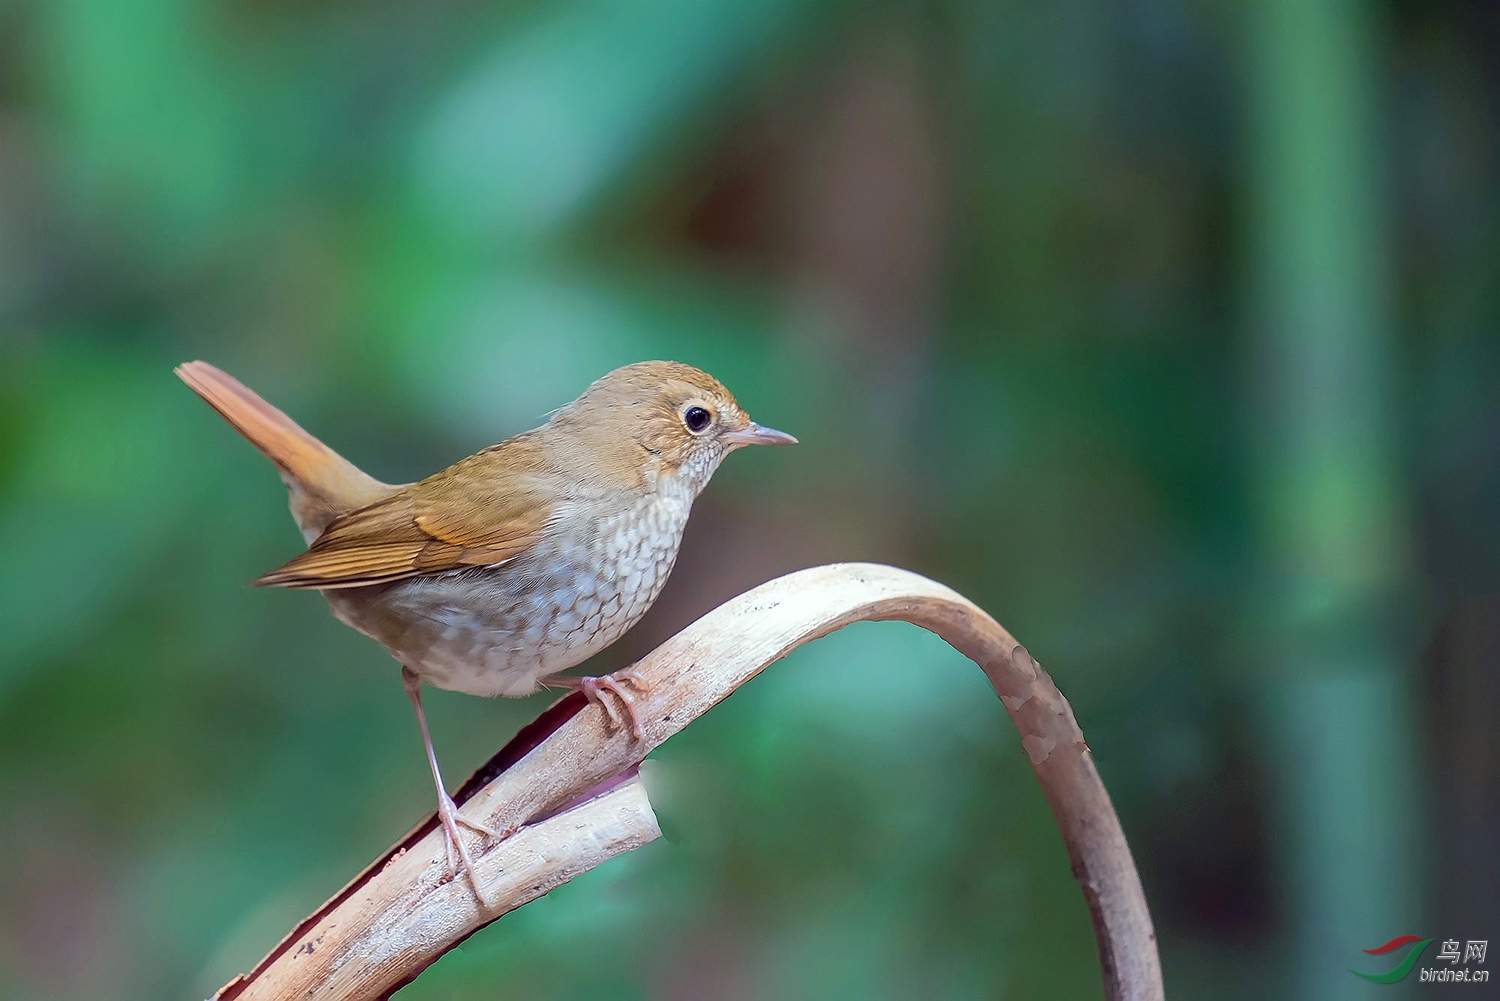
x=447, y=810
x=593, y=687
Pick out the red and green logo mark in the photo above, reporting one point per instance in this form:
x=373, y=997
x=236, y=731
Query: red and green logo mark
x=1405, y=967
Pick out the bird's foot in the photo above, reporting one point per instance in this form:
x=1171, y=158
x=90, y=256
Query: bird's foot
x=594, y=687
x=453, y=843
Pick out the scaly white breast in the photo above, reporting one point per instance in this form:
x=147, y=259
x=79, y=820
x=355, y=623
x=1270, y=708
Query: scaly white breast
x=499, y=631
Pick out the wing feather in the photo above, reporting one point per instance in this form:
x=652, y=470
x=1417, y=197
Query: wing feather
x=484, y=511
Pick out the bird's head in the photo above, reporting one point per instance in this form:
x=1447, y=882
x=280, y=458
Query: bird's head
x=670, y=418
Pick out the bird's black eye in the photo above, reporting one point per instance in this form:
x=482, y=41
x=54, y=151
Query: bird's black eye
x=696, y=419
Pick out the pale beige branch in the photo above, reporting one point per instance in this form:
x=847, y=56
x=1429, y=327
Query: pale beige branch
x=404, y=911
x=378, y=939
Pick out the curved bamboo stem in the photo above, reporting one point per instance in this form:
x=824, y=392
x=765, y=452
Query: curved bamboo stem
x=402, y=912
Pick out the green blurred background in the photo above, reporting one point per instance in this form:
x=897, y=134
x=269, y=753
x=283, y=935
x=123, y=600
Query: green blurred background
x=1164, y=329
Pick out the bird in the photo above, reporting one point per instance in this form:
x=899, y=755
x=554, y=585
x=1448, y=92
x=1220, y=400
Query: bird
x=492, y=576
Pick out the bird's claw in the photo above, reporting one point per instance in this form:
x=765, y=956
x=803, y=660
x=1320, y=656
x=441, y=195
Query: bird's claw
x=594, y=687
x=450, y=818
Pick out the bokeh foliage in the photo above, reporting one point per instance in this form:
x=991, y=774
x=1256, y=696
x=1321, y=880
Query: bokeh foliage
x=998, y=265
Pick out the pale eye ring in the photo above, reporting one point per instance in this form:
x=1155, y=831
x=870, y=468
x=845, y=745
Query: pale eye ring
x=697, y=419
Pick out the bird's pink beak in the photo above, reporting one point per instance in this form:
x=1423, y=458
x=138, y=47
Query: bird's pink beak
x=757, y=435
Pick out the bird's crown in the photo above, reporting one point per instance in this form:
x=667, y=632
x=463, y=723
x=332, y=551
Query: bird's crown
x=674, y=416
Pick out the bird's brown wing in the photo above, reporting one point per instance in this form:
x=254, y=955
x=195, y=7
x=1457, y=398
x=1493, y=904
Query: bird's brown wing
x=484, y=511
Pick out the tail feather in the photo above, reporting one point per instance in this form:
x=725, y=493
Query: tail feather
x=323, y=484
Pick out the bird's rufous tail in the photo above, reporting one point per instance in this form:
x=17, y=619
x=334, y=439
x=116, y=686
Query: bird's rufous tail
x=323, y=484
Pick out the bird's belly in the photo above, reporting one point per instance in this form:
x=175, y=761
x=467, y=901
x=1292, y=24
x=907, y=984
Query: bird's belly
x=501, y=631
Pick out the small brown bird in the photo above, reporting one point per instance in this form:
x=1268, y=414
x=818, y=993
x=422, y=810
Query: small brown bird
x=518, y=562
